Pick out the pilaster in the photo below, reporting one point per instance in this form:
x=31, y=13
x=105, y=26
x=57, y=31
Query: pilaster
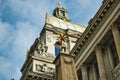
x=84, y=72
x=100, y=62
x=116, y=36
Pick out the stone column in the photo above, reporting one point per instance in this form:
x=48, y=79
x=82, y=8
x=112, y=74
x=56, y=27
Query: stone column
x=84, y=72
x=65, y=67
x=116, y=36
x=110, y=57
x=100, y=62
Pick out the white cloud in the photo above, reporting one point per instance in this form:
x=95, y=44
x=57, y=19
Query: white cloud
x=5, y=34
x=24, y=36
x=3, y=30
x=7, y=69
x=32, y=10
x=18, y=38
x=5, y=65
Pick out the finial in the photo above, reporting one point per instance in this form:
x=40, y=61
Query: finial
x=46, y=15
x=27, y=52
x=59, y=4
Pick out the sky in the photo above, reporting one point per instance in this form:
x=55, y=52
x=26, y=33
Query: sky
x=21, y=22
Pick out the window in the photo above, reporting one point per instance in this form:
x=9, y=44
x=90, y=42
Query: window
x=57, y=48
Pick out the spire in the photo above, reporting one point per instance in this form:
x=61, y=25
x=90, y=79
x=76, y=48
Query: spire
x=27, y=53
x=46, y=15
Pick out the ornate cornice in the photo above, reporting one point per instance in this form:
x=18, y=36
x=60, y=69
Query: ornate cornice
x=56, y=30
x=93, y=23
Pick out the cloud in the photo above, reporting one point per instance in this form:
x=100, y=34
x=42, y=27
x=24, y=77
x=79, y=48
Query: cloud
x=15, y=41
x=31, y=10
x=5, y=68
x=8, y=70
x=5, y=34
x=24, y=36
x=5, y=65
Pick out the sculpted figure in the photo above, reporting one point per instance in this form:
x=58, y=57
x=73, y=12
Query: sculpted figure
x=42, y=49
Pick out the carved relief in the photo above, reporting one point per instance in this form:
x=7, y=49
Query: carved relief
x=41, y=50
x=67, y=60
x=49, y=39
x=44, y=69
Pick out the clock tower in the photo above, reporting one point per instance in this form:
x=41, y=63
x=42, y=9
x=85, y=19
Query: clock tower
x=39, y=59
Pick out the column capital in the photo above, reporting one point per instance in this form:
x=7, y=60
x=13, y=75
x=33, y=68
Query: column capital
x=114, y=27
x=84, y=66
x=84, y=72
x=98, y=48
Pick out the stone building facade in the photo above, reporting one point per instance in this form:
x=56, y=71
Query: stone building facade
x=98, y=49
x=39, y=59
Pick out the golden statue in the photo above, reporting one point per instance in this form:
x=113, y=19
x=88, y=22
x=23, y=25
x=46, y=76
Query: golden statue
x=62, y=38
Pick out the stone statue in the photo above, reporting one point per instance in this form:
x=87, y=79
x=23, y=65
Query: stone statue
x=41, y=48
x=62, y=38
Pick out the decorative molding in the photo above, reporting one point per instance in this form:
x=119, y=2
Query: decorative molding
x=93, y=23
x=99, y=48
x=44, y=69
x=67, y=60
x=116, y=72
x=41, y=50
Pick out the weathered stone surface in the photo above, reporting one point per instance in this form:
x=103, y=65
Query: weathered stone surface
x=65, y=68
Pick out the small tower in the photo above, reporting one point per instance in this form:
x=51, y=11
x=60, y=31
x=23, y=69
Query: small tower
x=61, y=13
x=39, y=60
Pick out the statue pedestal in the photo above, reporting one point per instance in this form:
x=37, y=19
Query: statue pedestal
x=65, y=68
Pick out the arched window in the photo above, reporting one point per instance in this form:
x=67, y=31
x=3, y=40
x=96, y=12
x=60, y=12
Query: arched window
x=57, y=48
